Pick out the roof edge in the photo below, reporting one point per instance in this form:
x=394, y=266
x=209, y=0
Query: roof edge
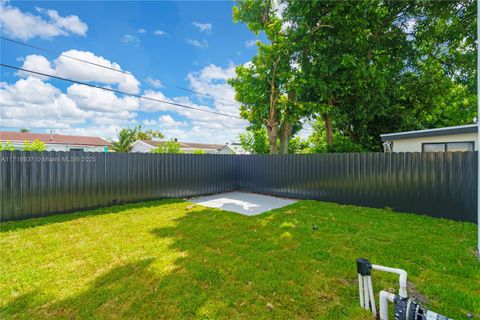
x=470, y=128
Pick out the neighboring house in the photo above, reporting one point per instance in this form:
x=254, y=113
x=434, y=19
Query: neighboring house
x=237, y=148
x=459, y=138
x=186, y=147
x=55, y=142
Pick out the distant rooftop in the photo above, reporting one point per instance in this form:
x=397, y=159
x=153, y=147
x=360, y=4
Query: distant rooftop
x=469, y=128
x=188, y=145
x=52, y=138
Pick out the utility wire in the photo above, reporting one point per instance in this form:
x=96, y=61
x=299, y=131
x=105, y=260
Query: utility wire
x=119, y=91
x=109, y=68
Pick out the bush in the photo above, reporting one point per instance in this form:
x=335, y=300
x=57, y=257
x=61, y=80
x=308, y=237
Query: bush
x=8, y=146
x=36, y=145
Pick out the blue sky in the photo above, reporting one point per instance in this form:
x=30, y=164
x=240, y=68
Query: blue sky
x=194, y=45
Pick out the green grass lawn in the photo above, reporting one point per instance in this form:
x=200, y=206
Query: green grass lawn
x=171, y=259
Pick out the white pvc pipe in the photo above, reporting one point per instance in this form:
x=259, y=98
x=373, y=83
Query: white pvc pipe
x=365, y=292
x=372, y=297
x=402, y=292
x=360, y=289
x=384, y=298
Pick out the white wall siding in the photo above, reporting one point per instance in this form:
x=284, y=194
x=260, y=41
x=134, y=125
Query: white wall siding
x=226, y=150
x=415, y=144
x=139, y=146
x=63, y=147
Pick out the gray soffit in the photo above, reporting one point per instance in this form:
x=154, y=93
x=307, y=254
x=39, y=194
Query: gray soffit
x=430, y=132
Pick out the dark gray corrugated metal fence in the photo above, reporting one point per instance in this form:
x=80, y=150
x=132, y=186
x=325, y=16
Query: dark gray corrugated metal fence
x=436, y=184
x=34, y=184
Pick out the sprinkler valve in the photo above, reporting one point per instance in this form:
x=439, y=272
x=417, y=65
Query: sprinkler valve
x=405, y=308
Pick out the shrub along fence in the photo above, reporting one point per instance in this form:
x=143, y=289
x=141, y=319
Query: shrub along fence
x=34, y=184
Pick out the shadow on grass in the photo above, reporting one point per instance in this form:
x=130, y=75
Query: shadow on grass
x=112, y=295
x=63, y=217
x=228, y=267
x=231, y=266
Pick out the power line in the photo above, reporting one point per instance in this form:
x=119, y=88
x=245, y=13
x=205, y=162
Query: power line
x=119, y=91
x=107, y=67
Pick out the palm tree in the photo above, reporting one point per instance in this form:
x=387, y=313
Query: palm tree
x=125, y=139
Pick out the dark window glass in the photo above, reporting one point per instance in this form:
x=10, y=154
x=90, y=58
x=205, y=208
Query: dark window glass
x=460, y=146
x=433, y=147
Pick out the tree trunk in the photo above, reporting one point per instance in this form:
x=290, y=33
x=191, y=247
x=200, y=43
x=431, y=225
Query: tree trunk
x=328, y=129
x=285, y=137
x=287, y=126
x=272, y=123
x=272, y=130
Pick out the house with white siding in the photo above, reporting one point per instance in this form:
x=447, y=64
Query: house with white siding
x=451, y=139
x=145, y=146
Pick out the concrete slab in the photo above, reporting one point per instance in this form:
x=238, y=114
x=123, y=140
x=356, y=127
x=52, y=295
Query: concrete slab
x=249, y=204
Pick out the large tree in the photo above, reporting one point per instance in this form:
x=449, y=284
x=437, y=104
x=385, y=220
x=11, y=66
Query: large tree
x=266, y=87
x=381, y=66
x=361, y=67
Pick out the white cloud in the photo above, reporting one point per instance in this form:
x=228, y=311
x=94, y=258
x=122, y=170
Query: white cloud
x=203, y=27
x=279, y=7
x=71, y=23
x=108, y=132
x=198, y=44
x=250, y=43
x=47, y=25
x=141, y=30
x=129, y=39
x=159, y=33
x=213, y=72
x=149, y=122
x=80, y=71
x=203, y=127
x=154, y=82
x=88, y=98
x=167, y=121
x=32, y=103
x=36, y=63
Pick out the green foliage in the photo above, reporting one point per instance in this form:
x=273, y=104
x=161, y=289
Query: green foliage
x=35, y=145
x=266, y=88
x=318, y=144
x=255, y=141
x=171, y=146
x=199, y=151
x=364, y=67
x=24, y=130
x=127, y=136
x=203, y=263
x=148, y=134
x=8, y=146
x=298, y=145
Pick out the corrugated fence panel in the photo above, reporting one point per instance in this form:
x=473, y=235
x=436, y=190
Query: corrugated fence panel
x=34, y=184
x=436, y=184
